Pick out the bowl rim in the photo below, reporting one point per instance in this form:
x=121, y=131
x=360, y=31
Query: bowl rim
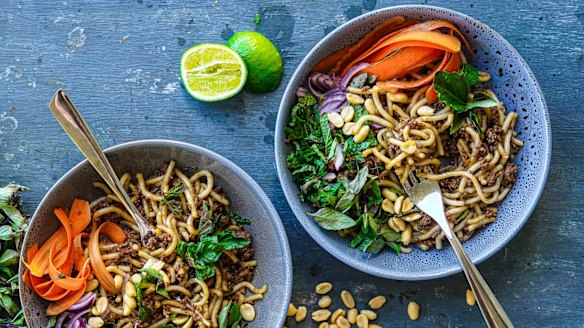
x=291, y=193
x=273, y=213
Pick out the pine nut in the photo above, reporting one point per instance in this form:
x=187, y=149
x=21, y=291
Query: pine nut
x=118, y=299
x=409, y=147
x=407, y=205
x=400, y=224
x=323, y=288
x=398, y=97
x=95, y=322
x=118, y=281
x=300, y=314
x=100, y=306
x=348, y=113
x=180, y=319
x=484, y=76
x=247, y=312
x=406, y=236
x=392, y=225
x=355, y=99
x=347, y=299
x=352, y=316
x=91, y=285
x=324, y=325
x=369, y=314
x=470, y=298
x=361, y=135
x=334, y=325
x=425, y=111
x=413, y=311
x=130, y=289
x=362, y=321
x=126, y=310
x=129, y=301
x=370, y=106
x=398, y=205
x=336, y=119
x=342, y=322
x=348, y=128
x=377, y=302
x=292, y=310
x=321, y=315
x=387, y=206
x=338, y=313
x=389, y=194
x=325, y=302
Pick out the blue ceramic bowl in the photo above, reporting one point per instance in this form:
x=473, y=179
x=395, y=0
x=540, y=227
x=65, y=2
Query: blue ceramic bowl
x=247, y=198
x=516, y=87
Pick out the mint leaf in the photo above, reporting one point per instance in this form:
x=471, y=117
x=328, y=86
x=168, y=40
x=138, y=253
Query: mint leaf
x=471, y=74
x=457, y=123
x=331, y=219
x=452, y=89
x=326, y=133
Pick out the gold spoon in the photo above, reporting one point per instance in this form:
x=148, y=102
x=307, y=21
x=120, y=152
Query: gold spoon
x=75, y=126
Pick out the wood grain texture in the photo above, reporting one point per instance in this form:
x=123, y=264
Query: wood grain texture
x=119, y=62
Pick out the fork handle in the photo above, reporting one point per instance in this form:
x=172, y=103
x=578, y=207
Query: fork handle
x=491, y=309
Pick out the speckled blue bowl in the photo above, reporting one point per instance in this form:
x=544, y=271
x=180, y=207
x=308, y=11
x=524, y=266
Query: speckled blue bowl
x=514, y=84
x=147, y=156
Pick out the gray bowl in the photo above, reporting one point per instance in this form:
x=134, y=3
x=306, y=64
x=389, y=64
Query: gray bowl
x=247, y=198
x=514, y=84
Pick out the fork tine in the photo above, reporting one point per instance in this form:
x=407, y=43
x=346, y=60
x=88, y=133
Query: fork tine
x=412, y=178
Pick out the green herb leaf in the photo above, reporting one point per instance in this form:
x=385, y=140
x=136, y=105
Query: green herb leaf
x=395, y=246
x=359, y=81
x=331, y=219
x=375, y=246
x=6, y=233
x=482, y=99
x=452, y=89
x=371, y=78
x=257, y=19
x=230, y=315
x=326, y=133
x=462, y=216
x=471, y=74
x=475, y=120
x=352, y=189
x=238, y=218
x=171, y=199
x=389, y=234
x=457, y=123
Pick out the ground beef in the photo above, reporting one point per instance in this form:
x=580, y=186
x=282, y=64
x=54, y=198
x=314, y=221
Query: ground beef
x=490, y=214
x=425, y=222
x=449, y=185
x=246, y=253
x=479, y=152
x=412, y=122
x=450, y=147
x=234, y=273
x=154, y=241
x=509, y=174
x=331, y=166
x=492, y=178
x=462, y=134
x=439, y=106
x=370, y=161
x=493, y=136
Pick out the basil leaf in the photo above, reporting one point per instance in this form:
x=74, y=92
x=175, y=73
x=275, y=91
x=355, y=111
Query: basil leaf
x=229, y=241
x=482, y=99
x=326, y=133
x=359, y=238
x=331, y=219
x=457, y=123
x=359, y=80
x=9, y=257
x=346, y=201
x=375, y=246
x=357, y=184
x=452, y=89
x=6, y=232
x=223, y=315
x=395, y=246
x=471, y=74
x=475, y=120
x=160, y=289
x=234, y=315
x=389, y=234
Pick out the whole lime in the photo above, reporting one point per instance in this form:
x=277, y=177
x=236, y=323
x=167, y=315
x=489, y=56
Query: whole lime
x=263, y=61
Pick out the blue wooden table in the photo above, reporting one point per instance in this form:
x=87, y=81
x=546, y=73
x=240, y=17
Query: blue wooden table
x=119, y=61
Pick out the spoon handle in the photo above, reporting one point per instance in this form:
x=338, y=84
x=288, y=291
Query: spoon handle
x=70, y=119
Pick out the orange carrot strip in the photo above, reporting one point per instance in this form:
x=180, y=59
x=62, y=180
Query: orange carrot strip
x=431, y=94
x=401, y=62
x=368, y=40
x=330, y=61
x=30, y=253
x=80, y=216
x=115, y=234
x=389, y=85
x=449, y=42
x=436, y=24
x=62, y=216
x=78, y=254
x=54, y=293
x=65, y=303
x=40, y=263
x=379, y=55
x=64, y=280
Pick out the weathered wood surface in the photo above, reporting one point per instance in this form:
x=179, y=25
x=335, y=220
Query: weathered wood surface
x=119, y=61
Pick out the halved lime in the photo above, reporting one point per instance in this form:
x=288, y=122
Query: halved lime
x=212, y=72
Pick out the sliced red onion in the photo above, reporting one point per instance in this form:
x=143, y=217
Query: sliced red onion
x=311, y=86
x=75, y=322
x=330, y=108
x=301, y=92
x=376, y=126
x=61, y=319
x=339, y=158
x=83, y=303
x=354, y=70
x=319, y=83
x=329, y=176
x=333, y=98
